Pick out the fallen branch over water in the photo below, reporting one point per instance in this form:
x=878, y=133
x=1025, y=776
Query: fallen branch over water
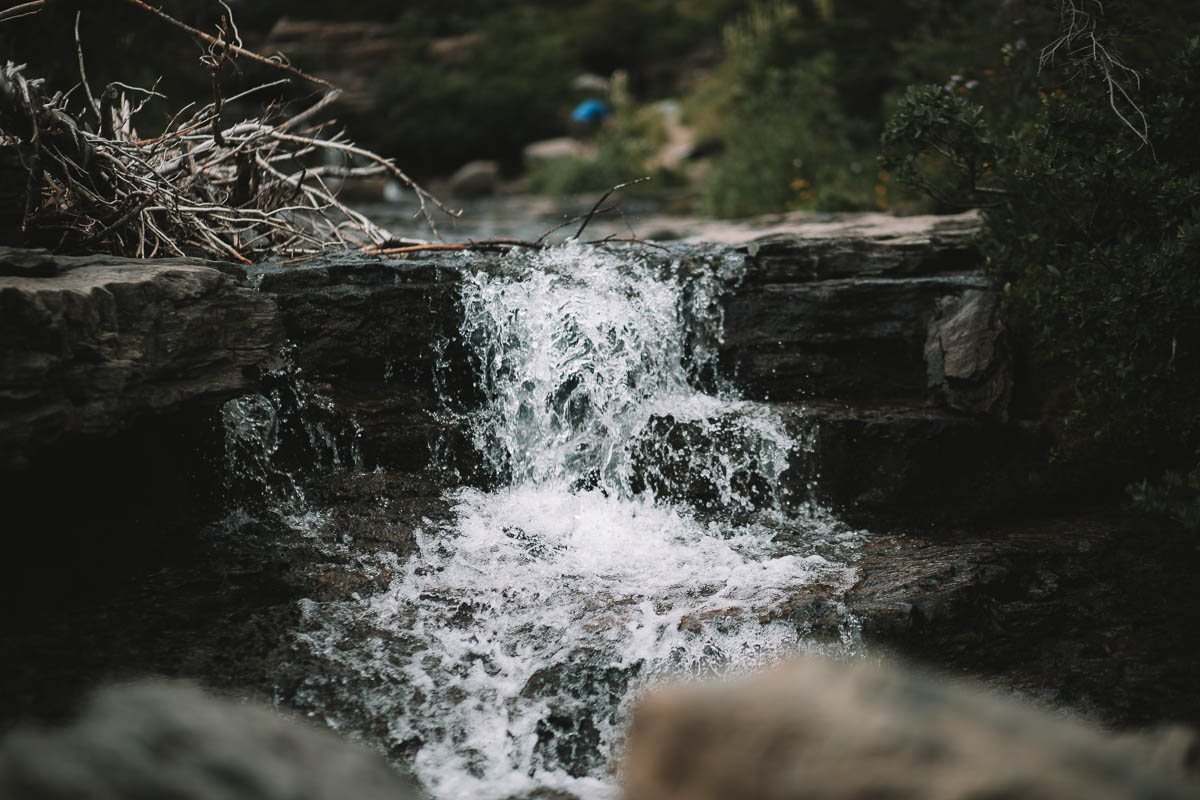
x=504, y=243
x=245, y=191
x=248, y=191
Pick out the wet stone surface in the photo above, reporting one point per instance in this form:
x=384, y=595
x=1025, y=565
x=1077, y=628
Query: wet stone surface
x=491, y=503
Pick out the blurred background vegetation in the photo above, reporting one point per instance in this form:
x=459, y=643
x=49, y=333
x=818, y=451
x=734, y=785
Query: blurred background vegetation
x=791, y=97
x=1087, y=173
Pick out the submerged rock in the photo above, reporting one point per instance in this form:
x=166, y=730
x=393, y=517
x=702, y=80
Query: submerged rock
x=821, y=729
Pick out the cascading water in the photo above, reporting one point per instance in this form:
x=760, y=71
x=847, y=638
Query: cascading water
x=632, y=538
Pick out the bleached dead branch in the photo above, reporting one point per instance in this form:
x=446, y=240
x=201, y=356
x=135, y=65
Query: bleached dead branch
x=1082, y=43
x=245, y=191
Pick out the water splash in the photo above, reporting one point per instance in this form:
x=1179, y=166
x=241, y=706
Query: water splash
x=273, y=440
x=632, y=537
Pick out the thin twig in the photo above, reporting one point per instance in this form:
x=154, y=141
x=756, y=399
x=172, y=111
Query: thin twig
x=629, y=240
x=241, y=51
x=600, y=202
x=22, y=10
x=573, y=220
x=87, y=90
x=483, y=244
x=1082, y=42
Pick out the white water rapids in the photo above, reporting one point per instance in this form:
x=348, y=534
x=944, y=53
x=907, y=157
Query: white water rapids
x=634, y=537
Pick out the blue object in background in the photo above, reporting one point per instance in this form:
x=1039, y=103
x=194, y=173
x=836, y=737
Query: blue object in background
x=591, y=112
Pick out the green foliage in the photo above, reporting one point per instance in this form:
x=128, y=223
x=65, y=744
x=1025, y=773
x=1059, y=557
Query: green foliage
x=514, y=86
x=489, y=105
x=802, y=92
x=1095, y=232
x=788, y=143
x=938, y=143
x=1175, y=496
x=578, y=175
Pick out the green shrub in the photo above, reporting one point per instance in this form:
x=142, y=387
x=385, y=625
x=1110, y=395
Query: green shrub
x=1092, y=221
x=1175, y=496
x=799, y=100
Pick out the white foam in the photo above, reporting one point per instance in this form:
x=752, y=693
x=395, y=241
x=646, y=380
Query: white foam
x=511, y=644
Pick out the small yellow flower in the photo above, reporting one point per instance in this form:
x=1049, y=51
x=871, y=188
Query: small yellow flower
x=799, y=184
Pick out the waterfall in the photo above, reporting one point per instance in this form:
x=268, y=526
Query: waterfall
x=629, y=534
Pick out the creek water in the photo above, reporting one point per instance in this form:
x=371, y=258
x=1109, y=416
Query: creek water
x=634, y=530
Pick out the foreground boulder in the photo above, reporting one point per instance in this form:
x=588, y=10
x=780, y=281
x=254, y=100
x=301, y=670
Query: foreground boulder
x=160, y=739
x=818, y=729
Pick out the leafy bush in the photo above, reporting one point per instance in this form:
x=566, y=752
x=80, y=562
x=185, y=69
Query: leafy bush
x=801, y=94
x=1175, y=496
x=514, y=87
x=1092, y=220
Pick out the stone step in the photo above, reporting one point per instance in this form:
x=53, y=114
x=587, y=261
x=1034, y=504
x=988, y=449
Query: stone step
x=842, y=310
x=919, y=464
x=854, y=339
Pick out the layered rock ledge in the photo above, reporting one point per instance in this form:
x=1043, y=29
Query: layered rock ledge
x=89, y=345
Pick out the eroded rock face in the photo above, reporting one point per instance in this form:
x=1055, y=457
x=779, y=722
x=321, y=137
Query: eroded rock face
x=839, y=310
x=967, y=358
x=820, y=729
x=381, y=339
x=162, y=739
x=90, y=344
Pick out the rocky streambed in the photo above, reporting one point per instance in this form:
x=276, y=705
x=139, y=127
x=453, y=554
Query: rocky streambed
x=475, y=504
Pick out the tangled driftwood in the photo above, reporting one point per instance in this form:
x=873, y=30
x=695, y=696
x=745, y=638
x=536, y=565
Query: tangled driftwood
x=240, y=192
x=249, y=191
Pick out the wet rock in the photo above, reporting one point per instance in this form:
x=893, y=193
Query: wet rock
x=544, y=793
x=687, y=460
x=356, y=316
x=914, y=463
x=475, y=179
x=383, y=337
x=839, y=310
x=967, y=358
x=582, y=693
x=160, y=739
x=90, y=344
x=864, y=246
x=1087, y=612
x=823, y=729
x=29, y=263
x=872, y=464
x=857, y=339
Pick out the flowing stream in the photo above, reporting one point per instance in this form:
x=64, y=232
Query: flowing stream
x=634, y=531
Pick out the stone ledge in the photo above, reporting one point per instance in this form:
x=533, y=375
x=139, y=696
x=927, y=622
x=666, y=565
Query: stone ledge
x=90, y=344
